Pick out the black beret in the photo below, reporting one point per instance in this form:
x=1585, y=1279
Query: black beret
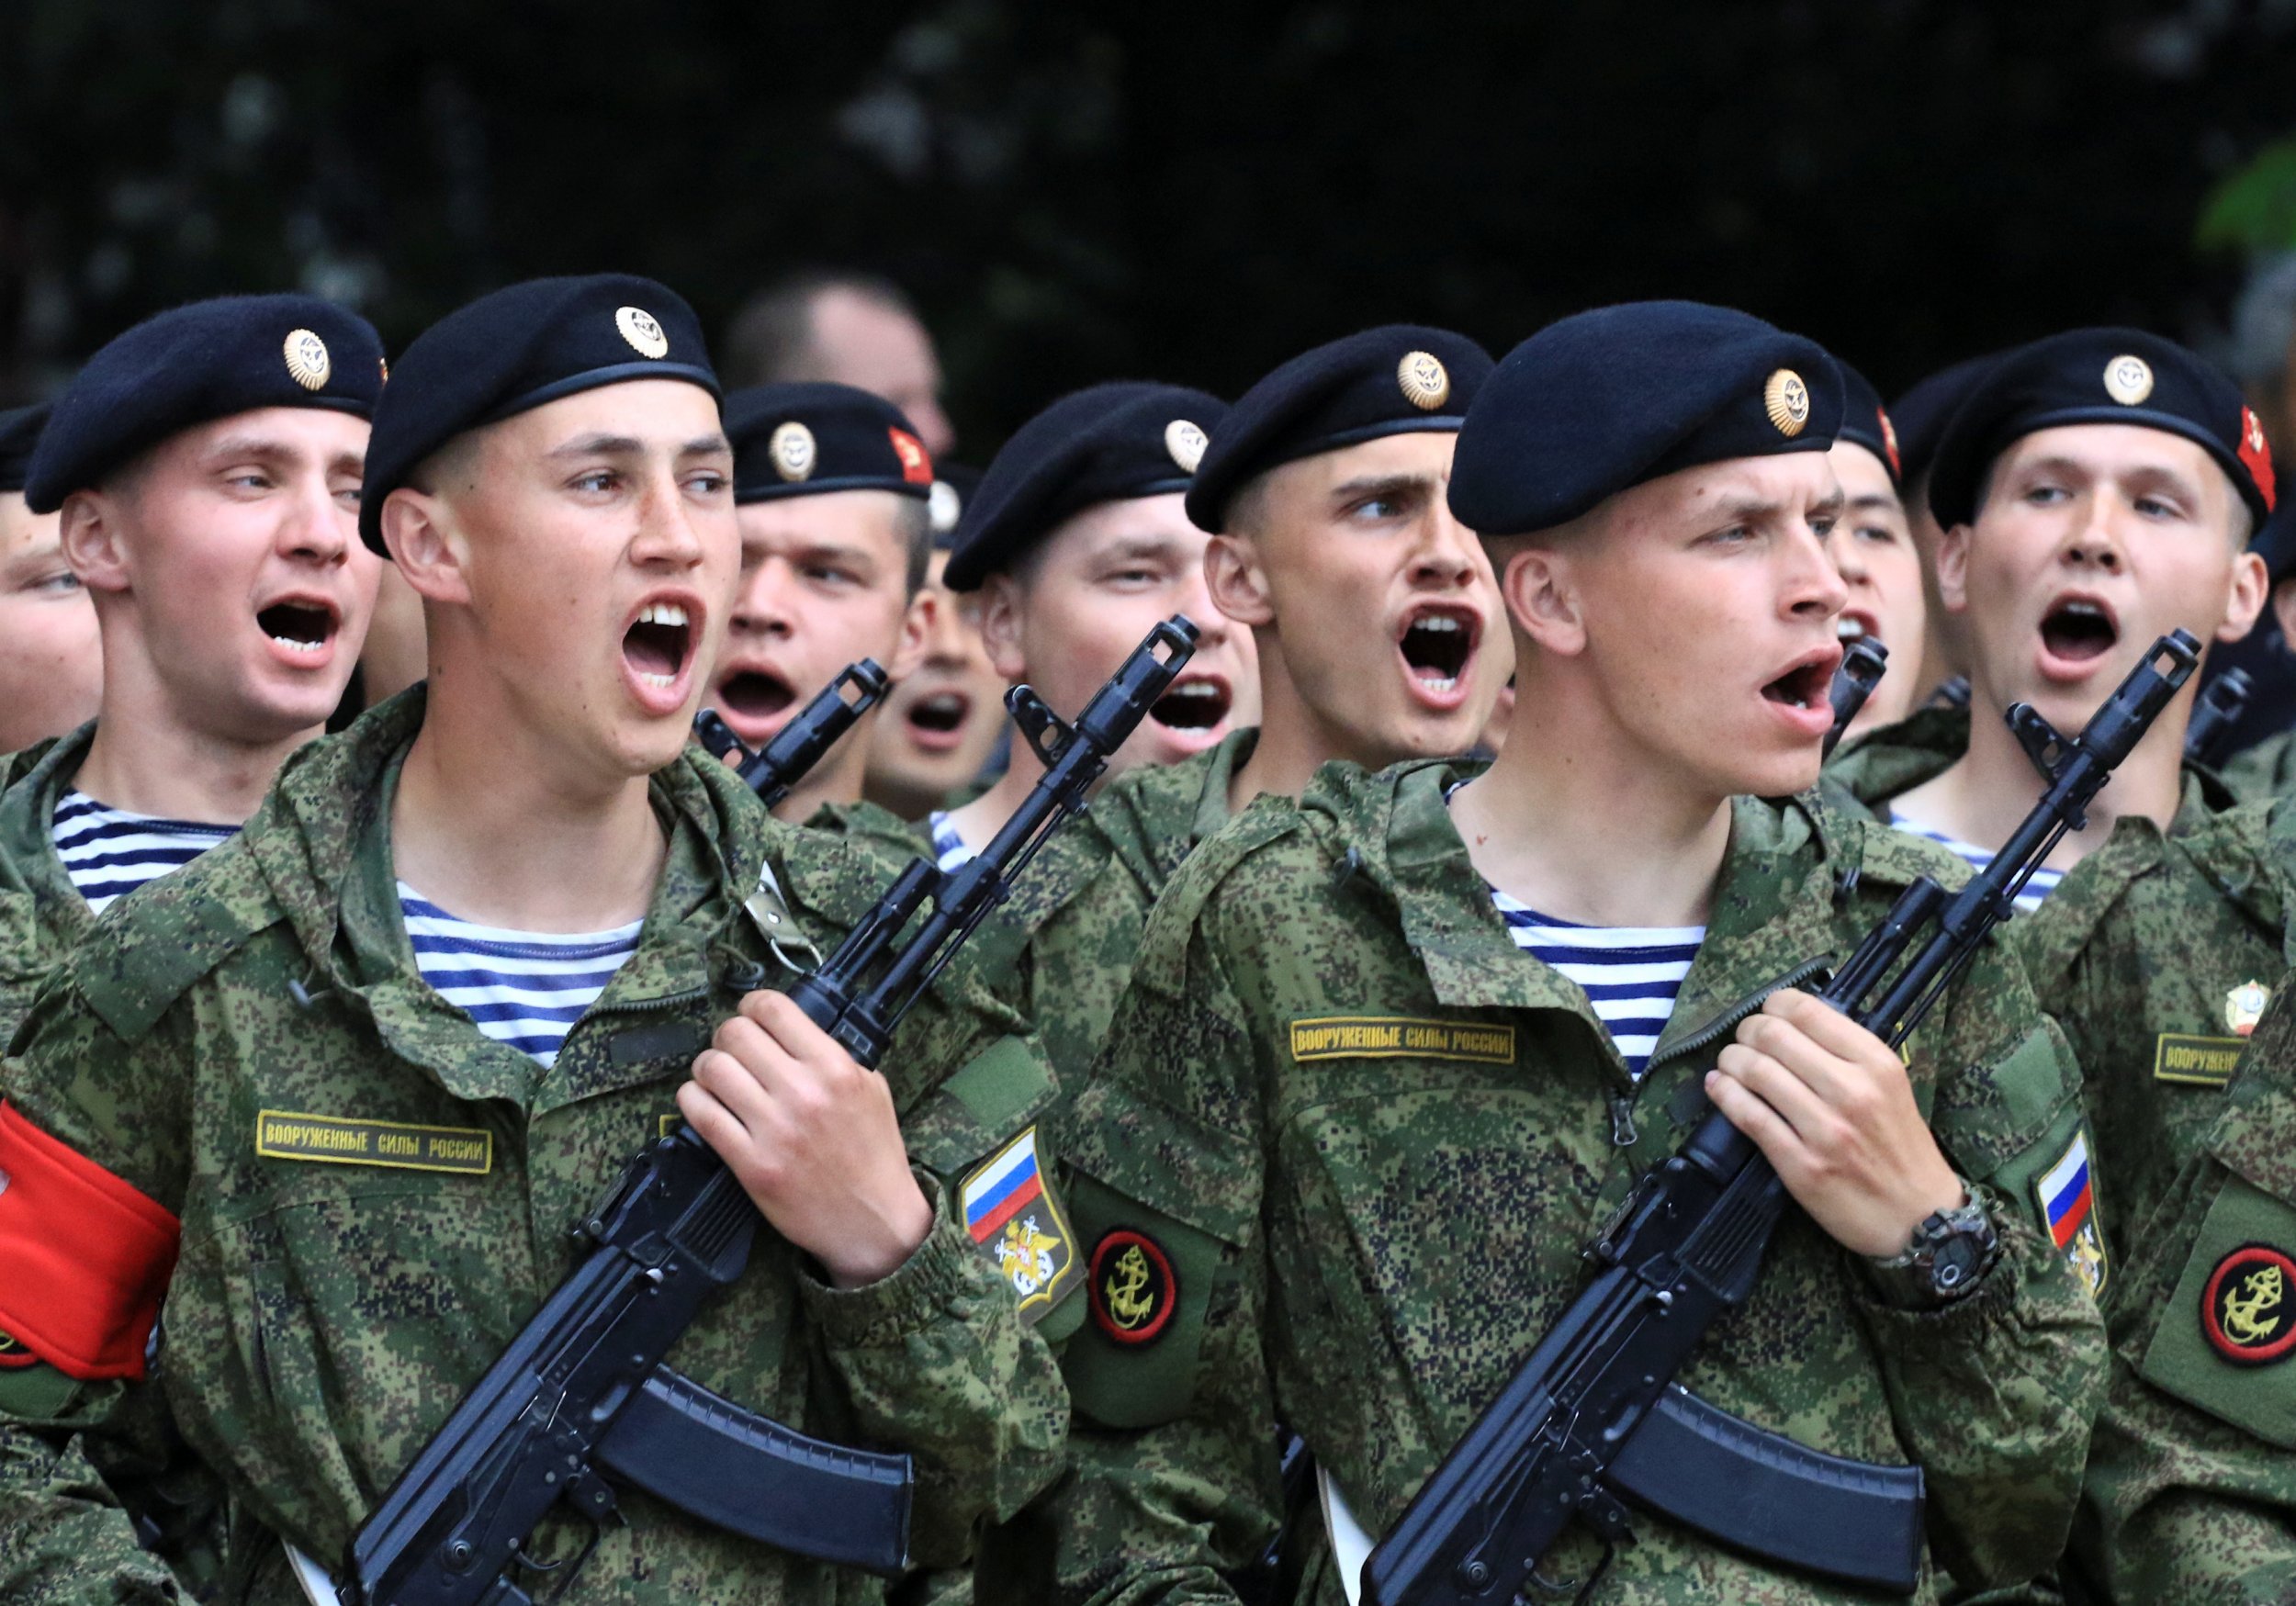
x=2098, y=376
x=1109, y=443
x=1921, y=414
x=19, y=433
x=1866, y=422
x=808, y=439
x=952, y=493
x=515, y=349
x=196, y=363
x=1399, y=380
x=1605, y=401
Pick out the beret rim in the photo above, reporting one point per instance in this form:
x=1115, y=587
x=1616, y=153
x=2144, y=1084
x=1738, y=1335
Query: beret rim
x=1955, y=504
x=960, y=575
x=802, y=487
x=91, y=473
x=1215, y=508
x=595, y=379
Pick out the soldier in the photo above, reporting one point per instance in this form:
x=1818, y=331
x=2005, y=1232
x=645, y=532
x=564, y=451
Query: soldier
x=940, y=727
x=2098, y=488
x=52, y=669
x=1920, y=417
x=200, y=478
x=1077, y=544
x=492, y=924
x=1873, y=547
x=1390, y=1057
x=1325, y=488
x=832, y=485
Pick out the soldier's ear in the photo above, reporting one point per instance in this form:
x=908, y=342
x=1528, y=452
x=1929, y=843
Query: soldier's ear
x=1952, y=568
x=1542, y=597
x=431, y=552
x=1236, y=581
x=917, y=631
x=998, y=617
x=89, y=528
x=2245, y=597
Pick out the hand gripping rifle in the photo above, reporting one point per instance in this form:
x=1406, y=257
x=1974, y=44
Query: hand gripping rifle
x=1594, y=1414
x=583, y=1389
x=2221, y=702
x=804, y=741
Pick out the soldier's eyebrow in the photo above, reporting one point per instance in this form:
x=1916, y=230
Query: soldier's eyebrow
x=1144, y=544
x=1755, y=510
x=1375, y=487
x=599, y=444
x=264, y=448
x=702, y=446
x=1881, y=499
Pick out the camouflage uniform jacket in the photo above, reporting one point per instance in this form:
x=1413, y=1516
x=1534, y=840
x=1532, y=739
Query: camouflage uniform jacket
x=1348, y=1142
x=136, y=1455
x=42, y=915
x=2151, y=955
x=2265, y=770
x=262, y=1009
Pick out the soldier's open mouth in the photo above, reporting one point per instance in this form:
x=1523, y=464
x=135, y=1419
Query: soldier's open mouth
x=1192, y=705
x=755, y=694
x=941, y=712
x=1803, y=685
x=655, y=646
x=2078, y=630
x=1437, y=644
x=301, y=627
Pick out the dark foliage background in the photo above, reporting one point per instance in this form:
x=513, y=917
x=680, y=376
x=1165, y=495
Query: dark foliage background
x=1188, y=191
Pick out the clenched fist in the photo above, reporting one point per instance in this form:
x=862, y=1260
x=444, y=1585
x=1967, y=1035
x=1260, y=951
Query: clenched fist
x=812, y=1138
x=1831, y=1106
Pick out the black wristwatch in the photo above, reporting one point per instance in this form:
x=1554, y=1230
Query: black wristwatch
x=1950, y=1254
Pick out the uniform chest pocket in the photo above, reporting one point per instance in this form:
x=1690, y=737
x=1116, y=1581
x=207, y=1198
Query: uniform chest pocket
x=2225, y=1340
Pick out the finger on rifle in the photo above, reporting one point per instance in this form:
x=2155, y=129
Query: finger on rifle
x=734, y=1079
x=1783, y=1039
x=778, y=1016
x=1752, y=1115
x=706, y=1113
x=1778, y=1085
x=1825, y=1026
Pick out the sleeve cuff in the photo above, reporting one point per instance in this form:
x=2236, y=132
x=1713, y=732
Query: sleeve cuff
x=934, y=1284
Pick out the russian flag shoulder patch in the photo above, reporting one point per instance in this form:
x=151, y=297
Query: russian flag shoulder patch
x=1011, y=1213
x=2067, y=1194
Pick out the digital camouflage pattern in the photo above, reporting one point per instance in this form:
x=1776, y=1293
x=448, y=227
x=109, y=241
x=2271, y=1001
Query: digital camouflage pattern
x=135, y=1456
x=2265, y=771
x=2145, y=954
x=1062, y=949
x=324, y=1319
x=40, y=912
x=1369, y=1140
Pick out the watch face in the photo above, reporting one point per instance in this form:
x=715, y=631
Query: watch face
x=1956, y=1262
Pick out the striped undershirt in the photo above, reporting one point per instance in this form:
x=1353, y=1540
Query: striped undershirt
x=2044, y=882
x=522, y=988
x=949, y=851
x=1630, y=973
x=109, y=852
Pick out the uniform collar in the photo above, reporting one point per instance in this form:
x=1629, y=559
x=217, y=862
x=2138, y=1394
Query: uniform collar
x=28, y=842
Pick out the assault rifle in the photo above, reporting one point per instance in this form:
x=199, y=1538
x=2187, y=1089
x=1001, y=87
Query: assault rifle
x=582, y=1390
x=804, y=741
x=1862, y=667
x=2213, y=710
x=1593, y=1418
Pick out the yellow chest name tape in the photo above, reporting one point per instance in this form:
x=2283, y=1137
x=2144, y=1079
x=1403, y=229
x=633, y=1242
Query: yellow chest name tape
x=1390, y=1037
x=2196, y=1060
x=345, y=1141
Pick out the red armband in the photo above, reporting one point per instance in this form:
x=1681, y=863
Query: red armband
x=84, y=1258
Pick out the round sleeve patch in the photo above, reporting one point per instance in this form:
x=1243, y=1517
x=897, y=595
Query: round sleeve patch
x=1134, y=1287
x=2248, y=1310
